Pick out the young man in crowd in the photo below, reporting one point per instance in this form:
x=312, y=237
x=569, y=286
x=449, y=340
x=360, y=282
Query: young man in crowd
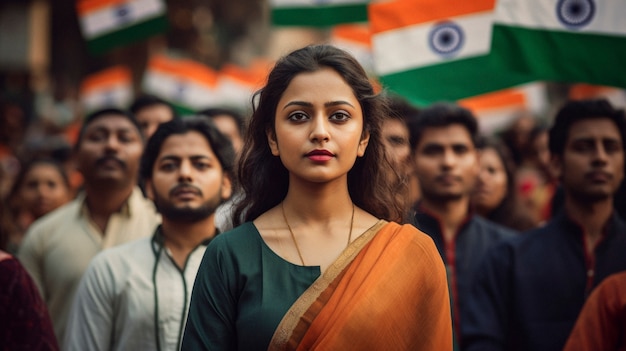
x=529, y=291
x=136, y=296
x=150, y=111
x=111, y=210
x=233, y=126
x=447, y=167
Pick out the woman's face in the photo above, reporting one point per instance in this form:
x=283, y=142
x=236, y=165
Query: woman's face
x=43, y=190
x=491, y=187
x=318, y=127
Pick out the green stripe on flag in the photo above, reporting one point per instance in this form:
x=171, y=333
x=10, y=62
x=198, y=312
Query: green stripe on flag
x=451, y=81
x=562, y=56
x=319, y=16
x=128, y=35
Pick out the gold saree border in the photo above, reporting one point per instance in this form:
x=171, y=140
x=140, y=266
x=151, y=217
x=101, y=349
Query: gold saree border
x=287, y=325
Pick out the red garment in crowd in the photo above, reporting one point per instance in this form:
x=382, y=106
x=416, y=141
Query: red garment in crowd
x=24, y=320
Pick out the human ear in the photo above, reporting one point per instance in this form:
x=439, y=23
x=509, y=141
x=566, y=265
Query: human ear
x=271, y=140
x=149, y=189
x=365, y=139
x=227, y=188
x=556, y=165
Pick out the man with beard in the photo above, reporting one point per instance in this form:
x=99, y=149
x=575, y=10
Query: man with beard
x=529, y=291
x=447, y=167
x=110, y=210
x=136, y=296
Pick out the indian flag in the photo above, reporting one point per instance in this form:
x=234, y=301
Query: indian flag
x=496, y=110
x=107, y=24
x=237, y=84
x=357, y=40
x=563, y=40
x=112, y=87
x=187, y=84
x=432, y=50
x=317, y=13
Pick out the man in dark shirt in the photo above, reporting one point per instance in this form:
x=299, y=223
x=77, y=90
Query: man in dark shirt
x=529, y=290
x=446, y=164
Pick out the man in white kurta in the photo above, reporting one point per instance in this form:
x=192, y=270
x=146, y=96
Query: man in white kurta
x=111, y=210
x=135, y=296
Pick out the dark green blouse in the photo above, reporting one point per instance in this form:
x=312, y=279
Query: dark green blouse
x=242, y=291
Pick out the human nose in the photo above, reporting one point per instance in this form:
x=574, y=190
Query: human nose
x=112, y=143
x=319, y=131
x=600, y=154
x=448, y=159
x=185, y=171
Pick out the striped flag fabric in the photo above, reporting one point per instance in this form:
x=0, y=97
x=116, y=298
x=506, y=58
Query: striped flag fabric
x=563, y=40
x=237, y=84
x=317, y=13
x=112, y=87
x=187, y=84
x=433, y=50
x=496, y=110
x=357, y=40
x=107, y=24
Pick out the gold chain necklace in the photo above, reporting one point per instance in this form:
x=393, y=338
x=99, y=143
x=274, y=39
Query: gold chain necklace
x=293, y=237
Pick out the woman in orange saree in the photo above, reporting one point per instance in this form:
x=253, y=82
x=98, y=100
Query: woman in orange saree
x=380, y=294
x=316, y=260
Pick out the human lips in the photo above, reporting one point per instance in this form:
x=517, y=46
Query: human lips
x=110, y=161
x=320, y=155
x=598, y=176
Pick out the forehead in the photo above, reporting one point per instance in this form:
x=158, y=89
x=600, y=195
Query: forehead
x=189, y=144
x=453, y=134
x=394, y=126
x=111, y=122
x=325, y=84
x=597, y=128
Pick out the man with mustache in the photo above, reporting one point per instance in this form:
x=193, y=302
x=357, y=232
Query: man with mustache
x=110, y=210
x=529, y=291
x=135, y=296
x=447, y=167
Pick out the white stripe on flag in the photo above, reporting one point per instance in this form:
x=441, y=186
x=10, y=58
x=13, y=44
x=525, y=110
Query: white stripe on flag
x=119, y=95
x=608, y=15
x=109, y=19
x=408, y=47
x=180, y=90
x=314, y=3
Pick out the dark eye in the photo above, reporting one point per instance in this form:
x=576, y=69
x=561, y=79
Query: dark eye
x=339, y=116
x=202, y=165
x=432, y=150
x=167, y=166
x=612, y=146
x=297, y=116
x=460, y=149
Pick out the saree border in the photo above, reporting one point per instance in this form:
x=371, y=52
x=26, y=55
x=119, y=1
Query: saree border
x=290, y=320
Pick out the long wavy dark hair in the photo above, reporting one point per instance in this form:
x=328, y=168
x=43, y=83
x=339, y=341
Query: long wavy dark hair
x=263, y=177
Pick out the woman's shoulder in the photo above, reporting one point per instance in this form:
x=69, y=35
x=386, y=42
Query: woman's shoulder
x=242, y=236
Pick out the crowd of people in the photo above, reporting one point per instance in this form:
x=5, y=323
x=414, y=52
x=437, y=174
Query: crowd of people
x=335, y=217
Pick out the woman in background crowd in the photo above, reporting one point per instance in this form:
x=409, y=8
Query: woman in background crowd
x=41, y=187
x=496, y=197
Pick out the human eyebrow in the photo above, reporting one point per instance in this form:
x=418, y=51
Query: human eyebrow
x=298, y=103
x=337, y=103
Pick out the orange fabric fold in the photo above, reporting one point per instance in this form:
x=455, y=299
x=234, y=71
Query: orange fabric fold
x=387, y=291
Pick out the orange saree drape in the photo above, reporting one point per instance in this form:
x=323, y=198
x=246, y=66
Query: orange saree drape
x=387, y=291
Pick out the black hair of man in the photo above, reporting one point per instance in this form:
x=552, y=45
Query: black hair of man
x=147, y=100
x=107, y=111
x=220, y=144
x=403, y=110
x=222, y=111
x=577, y=110
x=444, y=114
